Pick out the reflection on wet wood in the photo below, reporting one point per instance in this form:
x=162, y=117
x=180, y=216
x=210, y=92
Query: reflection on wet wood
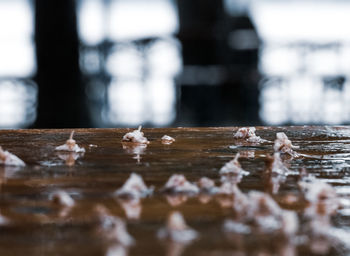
x=31, y=224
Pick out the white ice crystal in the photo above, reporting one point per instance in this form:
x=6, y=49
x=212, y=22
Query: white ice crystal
x=6, y=158
x=233, y=167
x=248, y=133
x=176, y=229
x=70, y=145
x=283, y=145
x=135, y=136
x=177, y=183
x=134, y=187
x=167, y=140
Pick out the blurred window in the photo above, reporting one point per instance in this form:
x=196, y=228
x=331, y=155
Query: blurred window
x=305, y=59
x=130, y=59
x=18, y=93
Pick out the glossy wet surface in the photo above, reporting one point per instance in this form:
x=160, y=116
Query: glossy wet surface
x=34, y=226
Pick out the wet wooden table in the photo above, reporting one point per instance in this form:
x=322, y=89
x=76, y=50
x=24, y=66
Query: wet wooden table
x=35, y=226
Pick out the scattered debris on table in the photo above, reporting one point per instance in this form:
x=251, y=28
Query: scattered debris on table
x=71, y=145
x=233, y=167
x=177, y=183
x=6, y=158
x=177, y=230
x=167, y=140
x=136, y=136
x=248, y=134
x=283, y=145
x=134, y=187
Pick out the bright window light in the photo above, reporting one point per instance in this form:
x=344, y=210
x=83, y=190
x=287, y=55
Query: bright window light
x=17, y=58
x=131, y=102
x=279, y=61
x=333, y=107
x=126, y=102
x=304, y=94
x=303, y=99
x=125, y=61
x=273, y=113
x=142, y=73
x=323, y=62
x=304, y=44
x=161, y=100
x=164, y=58
x=16, y=19
x=137, y=19
x=18, y=101
x=91, y=21
x=299, y=20
x=17, y=53
x=344, y=59
x=273, y=102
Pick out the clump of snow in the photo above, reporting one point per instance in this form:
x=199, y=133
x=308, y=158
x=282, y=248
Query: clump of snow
x=70, y=145
x=268, y=215
x=276, y=172
x=135, y=136
x=177, y=183
x=259, y=212
x=323, y=202
x=322, y=198
x=6, y=158
x=233, y=167
x=207, y=185
x=177, y=230
x=248, y=134
x=275, y=165
x=134, y=187
x=167, y=140
x=112, y=228
x=132, y=207
x=283, y=145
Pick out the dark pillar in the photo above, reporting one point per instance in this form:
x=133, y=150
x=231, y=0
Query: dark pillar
x=61, y=94
x=205, y=30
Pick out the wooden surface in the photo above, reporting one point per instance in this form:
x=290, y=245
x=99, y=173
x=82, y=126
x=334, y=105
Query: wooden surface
x=37, y=227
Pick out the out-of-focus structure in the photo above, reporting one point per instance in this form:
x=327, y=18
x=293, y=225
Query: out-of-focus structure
x=118, y=63
x=166, y=62
x=18, y=92
x=130, y=58
x=305, y=61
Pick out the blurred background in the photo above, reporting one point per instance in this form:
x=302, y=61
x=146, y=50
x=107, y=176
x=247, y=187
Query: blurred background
x=121, y=63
